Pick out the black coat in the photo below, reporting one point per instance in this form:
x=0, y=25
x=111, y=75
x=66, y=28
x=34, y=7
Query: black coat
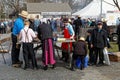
x=77, y=23
x=32, y=25
x=118, y=33
x=44, y=31
x=99, y=38
x=88, y=41
x=80, y=48
x=105, y=27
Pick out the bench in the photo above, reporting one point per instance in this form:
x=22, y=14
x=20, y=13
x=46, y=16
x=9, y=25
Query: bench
x=5, y=48
x=115, y=57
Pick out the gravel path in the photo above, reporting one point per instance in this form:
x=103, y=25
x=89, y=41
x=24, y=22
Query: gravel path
x=7, y=72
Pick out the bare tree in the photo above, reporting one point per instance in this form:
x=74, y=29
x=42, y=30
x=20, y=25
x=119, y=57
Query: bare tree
x=1, y=10
x=117, y=4
x=31, y=1
x=13, y=7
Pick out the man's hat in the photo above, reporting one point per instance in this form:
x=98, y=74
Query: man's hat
x=24, y=14
x=32, y=17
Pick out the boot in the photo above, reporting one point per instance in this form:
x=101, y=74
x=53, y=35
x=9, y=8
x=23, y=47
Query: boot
x=45, y=67
x=53, y=66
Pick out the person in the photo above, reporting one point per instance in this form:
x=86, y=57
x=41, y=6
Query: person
x=46, y=37
x=68, y=33
x=99, y=42
x=79, y=51
x=37, y=22
x=53, y=25
x=105, y=27
x=31, y=20
x=26, y=36
x=78, y=25
x=118, y=33
x=118, y=21
x=91, y=49
x=18, y=25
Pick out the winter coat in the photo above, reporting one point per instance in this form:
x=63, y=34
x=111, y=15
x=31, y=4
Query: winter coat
x=80, y=48
x=99, y=38
x=44, y=31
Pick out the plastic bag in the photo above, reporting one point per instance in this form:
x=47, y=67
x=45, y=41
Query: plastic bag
x=106, y=57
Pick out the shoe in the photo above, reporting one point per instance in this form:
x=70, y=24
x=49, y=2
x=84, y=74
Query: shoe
x=66, y=61
x=20, y=62
x=53, y=66
x=81, y=68
x=99, y=65
x=45, y=67
x=61, y=58
x=34, y=68
x=72, y=69
x=24, y=68
x=90, y=64
x=16, y=65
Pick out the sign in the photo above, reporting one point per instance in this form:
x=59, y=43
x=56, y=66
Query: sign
x=55, y=13
x=112, y=17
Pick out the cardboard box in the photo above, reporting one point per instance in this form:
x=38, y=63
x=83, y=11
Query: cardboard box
x=115, y=57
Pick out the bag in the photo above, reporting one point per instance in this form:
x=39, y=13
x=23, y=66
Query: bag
x=106, y=57
x=78, y=62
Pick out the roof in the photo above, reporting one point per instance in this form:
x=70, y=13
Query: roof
x=94, y=9
x=48, y=7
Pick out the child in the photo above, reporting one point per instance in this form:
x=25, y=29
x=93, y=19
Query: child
x=79, y=51
x=27, y=35
x=91, y=50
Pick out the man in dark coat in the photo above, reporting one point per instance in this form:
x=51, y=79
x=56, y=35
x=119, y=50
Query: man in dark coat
x=78, y=24
x=118, y=33
x=99, y=42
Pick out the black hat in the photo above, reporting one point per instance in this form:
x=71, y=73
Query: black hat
x=99, y=23
x=89, y=31
x=65, y=20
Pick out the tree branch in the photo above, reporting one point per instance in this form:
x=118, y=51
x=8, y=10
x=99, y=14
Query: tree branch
x=117, y=4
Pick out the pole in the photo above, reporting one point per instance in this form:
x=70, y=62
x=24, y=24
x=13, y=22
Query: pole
x=101, y=10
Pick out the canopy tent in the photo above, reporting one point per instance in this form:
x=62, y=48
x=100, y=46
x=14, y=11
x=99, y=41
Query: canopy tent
x=93, y=10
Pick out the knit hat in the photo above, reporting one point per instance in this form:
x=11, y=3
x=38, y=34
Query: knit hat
x=82, y=38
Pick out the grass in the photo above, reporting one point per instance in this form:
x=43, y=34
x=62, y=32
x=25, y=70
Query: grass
x=114, y=46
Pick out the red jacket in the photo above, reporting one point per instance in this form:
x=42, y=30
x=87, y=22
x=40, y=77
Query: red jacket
x=65, y=44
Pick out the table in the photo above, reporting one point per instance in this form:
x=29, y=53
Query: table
x=57, y=47
x=70, y=54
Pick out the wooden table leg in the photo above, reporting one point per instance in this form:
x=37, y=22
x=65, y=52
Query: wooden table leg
x=70, y=55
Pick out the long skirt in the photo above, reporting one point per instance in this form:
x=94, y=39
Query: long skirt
x=48, y=54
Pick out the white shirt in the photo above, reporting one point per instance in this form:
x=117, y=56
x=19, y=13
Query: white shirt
x=27, y=35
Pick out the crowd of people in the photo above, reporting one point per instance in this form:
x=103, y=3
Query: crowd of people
x=27, y=29
x=5, y=26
